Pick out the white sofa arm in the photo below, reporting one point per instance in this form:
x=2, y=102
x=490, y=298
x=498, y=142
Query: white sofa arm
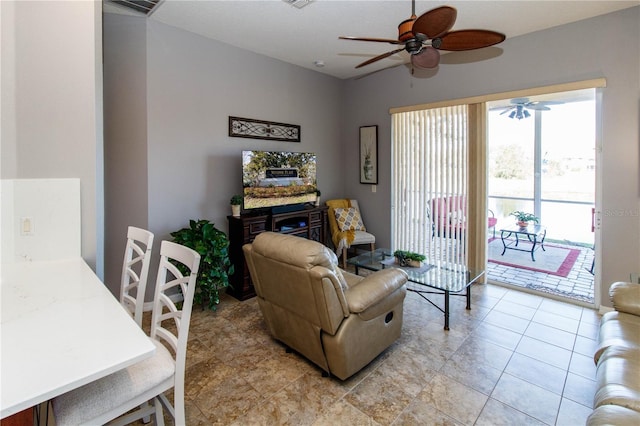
x=625, y=297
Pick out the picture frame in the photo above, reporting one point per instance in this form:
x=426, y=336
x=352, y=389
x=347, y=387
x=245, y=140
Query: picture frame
x=369, y=155
x=260, y=129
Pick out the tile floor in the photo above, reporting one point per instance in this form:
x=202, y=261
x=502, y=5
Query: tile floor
x=513, y=359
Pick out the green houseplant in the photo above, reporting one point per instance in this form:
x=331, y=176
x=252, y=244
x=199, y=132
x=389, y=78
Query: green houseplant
x=408, y=258
x=236, y=203
x=215, y=266
x=524, y=218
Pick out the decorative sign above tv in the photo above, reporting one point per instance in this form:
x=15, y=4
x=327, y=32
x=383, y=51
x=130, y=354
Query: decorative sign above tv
x=259, y=129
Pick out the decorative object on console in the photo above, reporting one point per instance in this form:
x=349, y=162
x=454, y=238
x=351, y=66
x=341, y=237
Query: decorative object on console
x=369, y=154
x=318, y=194
x=523, y=218
x=236, y=204
x=259, y=129
x=215, y=265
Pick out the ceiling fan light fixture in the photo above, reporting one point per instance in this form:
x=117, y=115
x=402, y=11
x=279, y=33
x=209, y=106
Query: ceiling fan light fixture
x=427, y=58
x=526, y=114
x=513, y=114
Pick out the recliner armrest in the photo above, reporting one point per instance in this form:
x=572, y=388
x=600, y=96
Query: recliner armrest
x=374, y=288
x=625, y=297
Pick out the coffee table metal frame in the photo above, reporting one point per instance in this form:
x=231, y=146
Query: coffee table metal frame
x=446, y=279
x=532, y=232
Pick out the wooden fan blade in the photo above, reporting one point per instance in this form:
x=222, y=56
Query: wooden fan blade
x=435, y=22
x=470, y=39
x=381, y=40
x=377, y=58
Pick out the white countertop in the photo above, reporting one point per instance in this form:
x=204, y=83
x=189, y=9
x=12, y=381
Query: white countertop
x=60, y=328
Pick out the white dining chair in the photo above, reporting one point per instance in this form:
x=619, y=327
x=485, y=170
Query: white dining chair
x=135, y=269
x=111, y=397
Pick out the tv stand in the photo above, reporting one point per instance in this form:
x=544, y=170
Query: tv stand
x=308, y=222
x=287, y=208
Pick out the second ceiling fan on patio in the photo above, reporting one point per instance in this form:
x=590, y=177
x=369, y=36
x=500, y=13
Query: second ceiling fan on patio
x=519, y=107
x=422, y=37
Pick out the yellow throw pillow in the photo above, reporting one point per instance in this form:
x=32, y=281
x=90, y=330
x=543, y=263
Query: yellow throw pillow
x=349, y=219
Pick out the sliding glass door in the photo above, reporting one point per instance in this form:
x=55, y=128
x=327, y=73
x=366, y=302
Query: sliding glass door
x=545, y=163
x=542, y=160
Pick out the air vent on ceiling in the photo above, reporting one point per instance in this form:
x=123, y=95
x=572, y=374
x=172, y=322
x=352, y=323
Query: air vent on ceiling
x=298, y=3
x=142, y=6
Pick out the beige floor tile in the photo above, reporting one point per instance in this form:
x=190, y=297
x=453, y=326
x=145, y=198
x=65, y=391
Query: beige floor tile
x=528, y=398
x=454, y=399
x=481, y=371
x=495, y=413
x=379, y=397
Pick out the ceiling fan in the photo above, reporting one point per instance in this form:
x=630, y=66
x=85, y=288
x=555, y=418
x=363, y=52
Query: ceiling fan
x=520, y=107
x=424, y=36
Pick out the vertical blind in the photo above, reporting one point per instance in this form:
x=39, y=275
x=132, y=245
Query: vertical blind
x=429, y=163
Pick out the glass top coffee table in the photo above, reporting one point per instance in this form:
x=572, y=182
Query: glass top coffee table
x=440, y=278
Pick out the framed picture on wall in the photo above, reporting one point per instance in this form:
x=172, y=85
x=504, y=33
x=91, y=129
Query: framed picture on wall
x=369, y=154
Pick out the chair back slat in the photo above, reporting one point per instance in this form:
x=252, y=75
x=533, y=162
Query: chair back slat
x=135, y=270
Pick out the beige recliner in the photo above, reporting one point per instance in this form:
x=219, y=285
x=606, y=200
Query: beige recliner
x=337, y=320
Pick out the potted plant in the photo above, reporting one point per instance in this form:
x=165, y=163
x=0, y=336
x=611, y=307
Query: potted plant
x=215, y=265
x=523, y=218
x=236, y=204
x=408, y=258
x=317, y=197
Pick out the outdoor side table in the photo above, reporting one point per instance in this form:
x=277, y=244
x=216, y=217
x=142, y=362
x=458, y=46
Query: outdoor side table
x=535, y=235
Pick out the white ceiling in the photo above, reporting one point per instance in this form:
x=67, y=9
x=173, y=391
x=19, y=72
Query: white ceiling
x=301, y=36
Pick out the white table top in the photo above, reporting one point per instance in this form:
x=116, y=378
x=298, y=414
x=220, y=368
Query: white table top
x=60, y=328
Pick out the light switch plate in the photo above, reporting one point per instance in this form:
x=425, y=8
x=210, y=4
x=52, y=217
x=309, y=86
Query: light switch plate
x=26, y=226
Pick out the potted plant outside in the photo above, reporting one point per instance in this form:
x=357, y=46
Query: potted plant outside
x=408, y=258
x=215, y=265
x=236, y=204
x=523, y=218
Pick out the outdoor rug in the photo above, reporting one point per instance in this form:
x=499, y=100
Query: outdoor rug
x=553, y=260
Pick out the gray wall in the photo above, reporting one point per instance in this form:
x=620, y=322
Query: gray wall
x=125, y=151
x=606, y=46
x=52, y=102
x=192, y=85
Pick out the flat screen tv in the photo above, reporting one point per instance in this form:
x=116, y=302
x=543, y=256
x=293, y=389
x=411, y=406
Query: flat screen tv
x=274, y=179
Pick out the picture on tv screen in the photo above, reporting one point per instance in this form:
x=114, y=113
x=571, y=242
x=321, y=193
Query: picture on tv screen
x=271, y=178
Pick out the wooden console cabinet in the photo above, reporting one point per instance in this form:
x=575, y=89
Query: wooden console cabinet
x=309, y=223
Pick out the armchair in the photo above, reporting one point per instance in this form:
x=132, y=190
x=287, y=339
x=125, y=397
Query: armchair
x=447, y=215
x=337, y=320
x=347, y=228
